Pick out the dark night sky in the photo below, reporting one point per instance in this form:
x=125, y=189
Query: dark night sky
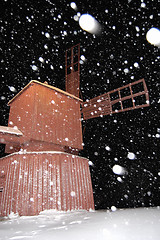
x=109, y=64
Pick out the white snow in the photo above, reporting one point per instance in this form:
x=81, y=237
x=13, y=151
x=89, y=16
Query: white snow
x=117, y=169
x=137, y=29
x=89, y=24
x=45, y=46
x=3, y=97
x=10, y=130
x=153, y=36
x=136, y=64
x=126, y=70
x=90, y=163
x=23, y=151
x=131, y=156
x=73, y=194
x=108, y=148
x=143, y=5
x=12, y=89
x=41, y=59
x=83, y=58
x=120, y=179
x=126, y=224
x=73, y=5
x=47, y=35
x=76, y=18
x=34, y=68
x=113, y=208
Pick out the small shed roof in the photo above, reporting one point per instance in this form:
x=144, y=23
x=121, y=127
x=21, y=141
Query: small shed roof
x=10, y=130
x=45, y=85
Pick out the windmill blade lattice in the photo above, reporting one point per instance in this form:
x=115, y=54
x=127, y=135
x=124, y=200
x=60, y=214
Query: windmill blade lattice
x=129, y=97
x=72, y=70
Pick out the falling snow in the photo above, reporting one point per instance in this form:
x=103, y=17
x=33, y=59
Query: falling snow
x=35, y=36
x=131, y=156
x=34, y=67
x=47, y=35
x=12, y=89
x=117, y=169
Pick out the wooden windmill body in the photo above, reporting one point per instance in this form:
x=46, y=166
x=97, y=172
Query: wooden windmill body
x=44, y=136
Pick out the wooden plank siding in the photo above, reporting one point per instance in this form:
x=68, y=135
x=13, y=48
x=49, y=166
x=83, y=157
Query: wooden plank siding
x=36, y=181
x=46, y=116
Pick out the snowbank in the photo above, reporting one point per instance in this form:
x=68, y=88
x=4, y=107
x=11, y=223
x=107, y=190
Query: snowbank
x=128, y=224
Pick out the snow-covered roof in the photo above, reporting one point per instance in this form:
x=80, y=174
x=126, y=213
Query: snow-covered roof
x=23, y=151
x=45, y=85
x=10, y=130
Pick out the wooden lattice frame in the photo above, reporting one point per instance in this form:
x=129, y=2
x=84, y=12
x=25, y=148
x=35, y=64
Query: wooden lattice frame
x=104, y=105
x=72, y=70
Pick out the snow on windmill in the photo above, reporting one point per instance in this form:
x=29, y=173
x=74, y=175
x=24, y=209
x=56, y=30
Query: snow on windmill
x=44, y=136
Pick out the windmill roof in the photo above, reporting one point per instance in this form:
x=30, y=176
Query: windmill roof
x=45, y=85
x=10, y=130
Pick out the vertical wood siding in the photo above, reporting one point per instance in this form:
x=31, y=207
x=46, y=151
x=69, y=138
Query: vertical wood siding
x=38, y=181
x=46, y=115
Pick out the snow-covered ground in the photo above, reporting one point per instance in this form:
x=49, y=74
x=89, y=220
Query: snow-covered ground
x=126, y=224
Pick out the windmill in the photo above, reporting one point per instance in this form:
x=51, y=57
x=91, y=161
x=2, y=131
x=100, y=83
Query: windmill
x=44, y=135
x=129, y=97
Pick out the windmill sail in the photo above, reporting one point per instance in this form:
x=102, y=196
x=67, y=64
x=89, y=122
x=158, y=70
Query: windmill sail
x=129, y=97
x=72, y=70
